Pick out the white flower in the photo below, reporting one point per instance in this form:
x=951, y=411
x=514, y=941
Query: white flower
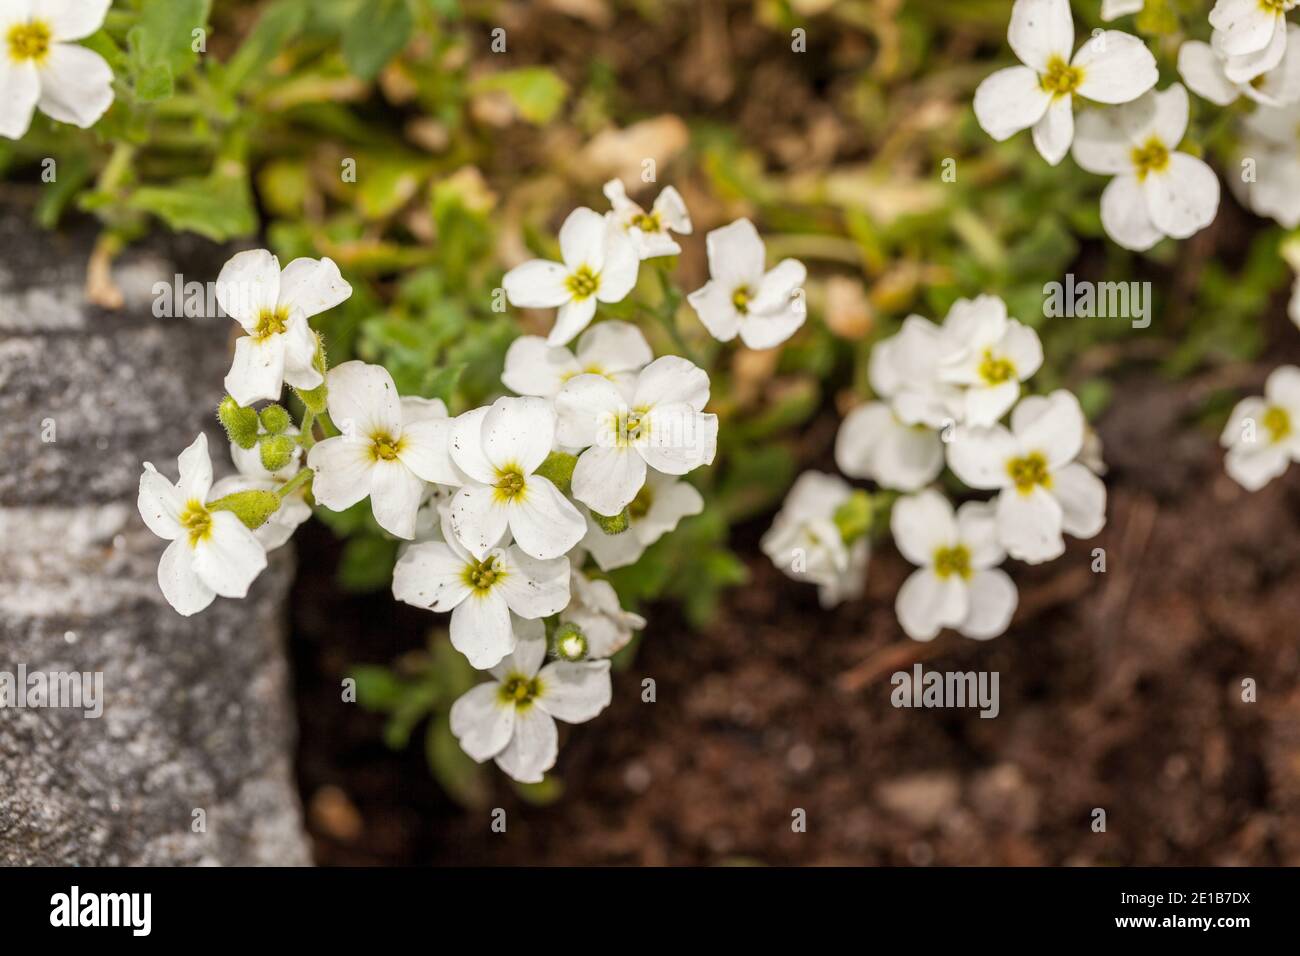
x=806, y=545
x=253, y=476
x=957, y=583
x=661, y=503
x=1156, y=191
x=595, y=610
x=1114, y=9
x=742, y=296
x=1217, y=79
x=273, y=308
x=663, y=426
x=1111, y=67
x=600, y=264
x=1044, y=491
x=874, y=444
x=1245, y=27
x=41, y=66
x=1263, y=434
x=1271, y=141
x=211, y=552
x=904, y=370
x=499, y=448
x=616, y=350
x=512, y=718
x=650, y=232
x=988, y=355
x=389, y=448
x=483, y=596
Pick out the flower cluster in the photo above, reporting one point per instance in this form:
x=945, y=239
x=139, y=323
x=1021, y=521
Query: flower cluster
x=499, y=507
x=943, y=392
x=1134, y=136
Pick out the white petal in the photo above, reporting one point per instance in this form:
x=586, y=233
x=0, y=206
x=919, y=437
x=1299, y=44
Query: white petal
x=532, y=588
x=1040, y=30
x=621, y=263
x=977, y=529
x=1245, y=68
x=1252, y=466
x=76, y=85
x=921, y=524
x=1101, y=144
x=535, y=368
x=180, y=583
x=575, y=692
x=22, y=88
x=926, y=604
x=481, y=630
x=257, y=372
x=573, y=317
x=993, y=600
x=248, y=285
x=1114, y=9
x=908, y=458
x=477, y=519
x=768, y=330
x=299, y=351
x=1010, y=100
x=1245, y=24
x=518, y=434
x=430, y=575
x=160, y=504
x=1283, y=387
x=528, y=656
x=537, y=284
x=533, y=746
x=1202, y=70
x=672, y=211
x=1184, y=198
x=611, y=347
x=612, y=551
x=1117, y=67
x=681, y=439
x=1029, y=525
x=585, y=408
x=1052, y=424
x=712, y=302
x=482, y=722
x=342, y=471
x=1124, y=214
x=672, y=379
x=230, y=558
x=979, y=456
x=544, y=523
x=1083, y=500
x=312, y=286
x=426, y=450
x=1054, y=133
x=195, y=467
x=71, y=19
x=777, y=290
x=607, y=478
x=985, y=404
x=582, y=239
x=363, y=401
x=736, y=256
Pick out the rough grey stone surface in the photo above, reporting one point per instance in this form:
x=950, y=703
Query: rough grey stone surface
x=197, y=714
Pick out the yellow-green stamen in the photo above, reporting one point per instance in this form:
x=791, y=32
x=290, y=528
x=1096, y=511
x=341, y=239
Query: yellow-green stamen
x=511, y=485
x=950, y=561
x=582, y=282
x=740, y=300
x=995, y=370
x=29, y=41
x=1029, y=472
x=383, y=447
x=271, y=322
x=520, y=690
x=483, y=575
x=647, y=222
x=197, y=520
x=1150, y=158
x=1060, y=79
x=1277, y=423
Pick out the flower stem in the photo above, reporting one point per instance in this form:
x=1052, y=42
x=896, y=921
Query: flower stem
x=294, y=483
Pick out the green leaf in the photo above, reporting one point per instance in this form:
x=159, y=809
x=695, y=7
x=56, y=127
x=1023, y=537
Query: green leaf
x=376, y=34
x=378, y=688
x=456, y=772
x=540, y=794
x=367, y=563
x=154, y=83
x=281, y=22
x=219, y=208
x=536, y=91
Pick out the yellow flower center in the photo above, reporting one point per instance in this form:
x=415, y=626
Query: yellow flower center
x=647, y=222
x=740, y=299
x=510, y=485
x=1151, y=158
x=483, y=575
x=383, y=447
x=1277, y=423
x=1061, y=79
x=582, y=282
x=1277, y=7
x=1029, y=472
x=271, y=322
x=197, y=520
x=520, y=690
x=995, y=370
x=29, y=41
x=950, y=561
x=632, y=427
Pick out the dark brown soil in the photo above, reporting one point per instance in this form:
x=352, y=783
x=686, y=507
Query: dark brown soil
x=1120, y=691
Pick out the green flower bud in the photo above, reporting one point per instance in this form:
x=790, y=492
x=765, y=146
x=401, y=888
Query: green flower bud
x=615, y=524
x=240, y=423
x=854, y=517
x=250, y=507
x=558, y=469
x=569, y=643
x=275, y=419
x=277, y=451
